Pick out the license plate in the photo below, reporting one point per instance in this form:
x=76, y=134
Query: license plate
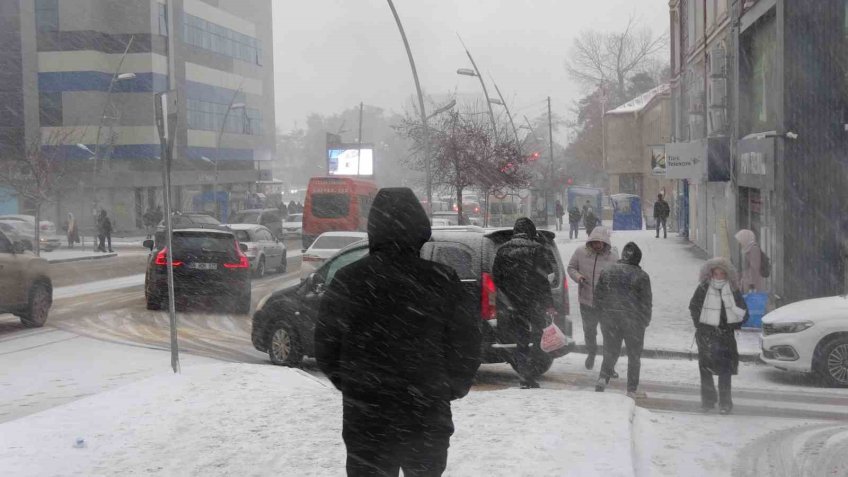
x=203, y=266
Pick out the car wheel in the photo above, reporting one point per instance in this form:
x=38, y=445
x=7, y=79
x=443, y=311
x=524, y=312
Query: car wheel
x=832, y=364
x=260, y=268
x=283, y=347
x=284, y=265
x=40, y=300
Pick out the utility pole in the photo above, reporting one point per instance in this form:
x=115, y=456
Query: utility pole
x=551, y=144
x=359, y=147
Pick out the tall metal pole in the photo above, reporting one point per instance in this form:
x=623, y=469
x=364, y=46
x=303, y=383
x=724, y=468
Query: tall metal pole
x=420, y=107
x=218, y=149
x=482, y=84
x=359, y=147
x=551, y=143
x=511, y=122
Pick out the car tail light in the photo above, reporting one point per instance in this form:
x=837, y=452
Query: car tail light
x=162, y=258
x=488, y=298
x=243, y=260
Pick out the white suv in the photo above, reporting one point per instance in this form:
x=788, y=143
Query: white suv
x=809, y=336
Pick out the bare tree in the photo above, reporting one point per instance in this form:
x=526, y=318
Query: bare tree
x=609, y=59
x=36, y=174
x=465, y=152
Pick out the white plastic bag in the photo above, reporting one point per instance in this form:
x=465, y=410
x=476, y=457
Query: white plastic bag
x=552, y=339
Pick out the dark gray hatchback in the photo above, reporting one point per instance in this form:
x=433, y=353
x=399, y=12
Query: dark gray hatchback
x=284, y=322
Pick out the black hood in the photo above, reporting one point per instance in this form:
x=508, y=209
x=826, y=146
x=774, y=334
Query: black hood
x=397, y=222
x=525, y=226
x=631, y=254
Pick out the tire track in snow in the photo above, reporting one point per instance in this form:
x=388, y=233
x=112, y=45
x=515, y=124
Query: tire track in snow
x=812, y=451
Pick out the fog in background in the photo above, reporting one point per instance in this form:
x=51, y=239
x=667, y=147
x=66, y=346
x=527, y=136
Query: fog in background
x=332, y=54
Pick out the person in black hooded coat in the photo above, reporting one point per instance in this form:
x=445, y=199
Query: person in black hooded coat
x=624, y=300
x=397, y=335
x=521, y=270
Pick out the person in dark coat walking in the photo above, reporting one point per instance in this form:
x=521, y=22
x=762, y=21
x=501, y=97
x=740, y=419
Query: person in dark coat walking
x=397, y=335
x=574, y=216
x=559, y=213
x=590, y=220
x=520, y=270
x=717, y=310
x=624, y=300
x=661, y=213
x=104, y=231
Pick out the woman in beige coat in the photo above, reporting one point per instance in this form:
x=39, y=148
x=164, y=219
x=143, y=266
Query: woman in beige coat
x=752, y=280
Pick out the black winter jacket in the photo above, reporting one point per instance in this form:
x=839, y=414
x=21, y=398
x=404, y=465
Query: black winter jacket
x=623, y=295
x=697, y=303
x=393, y=329
x=661, y=209
x=521, y=270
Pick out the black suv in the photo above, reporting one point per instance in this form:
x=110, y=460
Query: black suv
x=284, y=322
x=208, y=262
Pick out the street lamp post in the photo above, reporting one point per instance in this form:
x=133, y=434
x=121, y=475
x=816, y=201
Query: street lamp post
x=506, y=108
x=421, y=110
x=230, y=107
x=476, y=72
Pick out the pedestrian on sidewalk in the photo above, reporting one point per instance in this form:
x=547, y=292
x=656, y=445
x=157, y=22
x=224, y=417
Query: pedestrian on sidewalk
x=149, y=219
x=717, y=310
x=396, y=335
x=574, y=216
x=624, y=301
x=590, y=220
x=585, y=267
x=104, y=232
x=661, y=213
x=559, y=213
x=520, y=271
x=72, y=230
x=752, y=262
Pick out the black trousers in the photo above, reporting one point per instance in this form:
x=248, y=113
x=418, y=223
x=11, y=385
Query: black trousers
x=662, y=222
x=591, y=317
x=709, y=397
x=104, y=238
x=381, y=440
x=633, y=336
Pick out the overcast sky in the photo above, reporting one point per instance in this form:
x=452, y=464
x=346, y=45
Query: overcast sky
x=332, y=54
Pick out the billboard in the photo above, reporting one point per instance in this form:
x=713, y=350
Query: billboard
x=350, y=160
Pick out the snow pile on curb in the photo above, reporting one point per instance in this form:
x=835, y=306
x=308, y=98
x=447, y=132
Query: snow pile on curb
x=240, y=419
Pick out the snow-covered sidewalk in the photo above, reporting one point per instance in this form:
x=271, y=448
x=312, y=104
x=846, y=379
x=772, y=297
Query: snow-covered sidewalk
x=64, y=255
x=239, y=419
x=673, y=266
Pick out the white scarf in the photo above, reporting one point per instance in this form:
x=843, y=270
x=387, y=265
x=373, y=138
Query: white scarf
x=718, y=293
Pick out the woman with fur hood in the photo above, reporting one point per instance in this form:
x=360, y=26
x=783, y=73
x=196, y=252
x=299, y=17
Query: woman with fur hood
x=717, y=310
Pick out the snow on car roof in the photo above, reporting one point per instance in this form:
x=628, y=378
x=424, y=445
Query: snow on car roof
x=344, y=234
x=245, y=226
x=221, y=231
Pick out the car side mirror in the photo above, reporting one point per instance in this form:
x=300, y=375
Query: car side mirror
x=315, y=283
x=148, y=244
x=243, y=247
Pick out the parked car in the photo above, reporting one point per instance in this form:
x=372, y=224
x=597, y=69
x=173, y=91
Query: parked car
x=27, y=291
x=810, y=336
x=264, y=251
x=324, y=247
x=451, y=218
x=208, y=263
x=270, y=218
x=284, y=321
x=25, y=227
x=293, y=226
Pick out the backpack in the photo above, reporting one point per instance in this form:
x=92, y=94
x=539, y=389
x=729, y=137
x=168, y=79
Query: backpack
x=765, y=264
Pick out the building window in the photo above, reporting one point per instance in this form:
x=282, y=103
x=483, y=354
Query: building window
x=208, y=116
x=50, y=109
x=209, y=36
x=163, y=19
x=47, y=15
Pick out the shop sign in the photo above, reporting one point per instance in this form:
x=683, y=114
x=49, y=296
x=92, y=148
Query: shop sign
x=658, y=160
x=686, y=160
x=755, y=163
